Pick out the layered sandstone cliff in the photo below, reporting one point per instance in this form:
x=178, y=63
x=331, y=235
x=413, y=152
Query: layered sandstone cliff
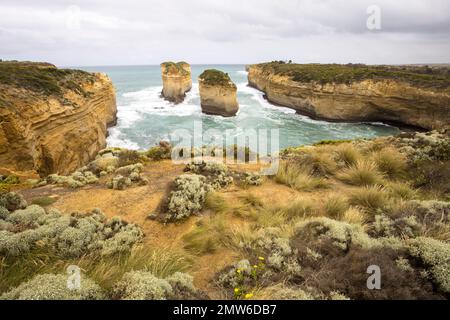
x=176, y=79
x=218, y=94
x=52, y=120
x=419, y=100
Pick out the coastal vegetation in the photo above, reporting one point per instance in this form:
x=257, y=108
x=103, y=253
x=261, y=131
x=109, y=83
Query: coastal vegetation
x=43, y=78
x=215, y=77
x=332, y=207
x=422, y=76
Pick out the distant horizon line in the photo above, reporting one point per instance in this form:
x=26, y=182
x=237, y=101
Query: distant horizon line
x=240, y=64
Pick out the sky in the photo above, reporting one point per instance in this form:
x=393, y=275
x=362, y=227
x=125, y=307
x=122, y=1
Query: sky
x=138, y=32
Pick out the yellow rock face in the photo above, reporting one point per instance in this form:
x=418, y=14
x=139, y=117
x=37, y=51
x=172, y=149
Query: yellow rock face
x=176, y=79
x=53, y=135
x=218, y=99
x=385, y=100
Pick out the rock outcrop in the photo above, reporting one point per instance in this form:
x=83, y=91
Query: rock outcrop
x=394, y=97
x=52, y=120
x=176, y=79
x=218, y=93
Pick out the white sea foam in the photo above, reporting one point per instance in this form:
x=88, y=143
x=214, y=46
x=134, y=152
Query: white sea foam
x=116, y=139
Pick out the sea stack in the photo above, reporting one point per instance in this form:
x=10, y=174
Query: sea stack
x=218, y=93
x=176, y=80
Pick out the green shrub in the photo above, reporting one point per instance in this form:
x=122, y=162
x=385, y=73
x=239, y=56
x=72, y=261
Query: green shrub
x=434, y=254
x=68, y=236
x=188, y=197
x=54, y=287
x=141, y=285
x=44, y=201
x=12, y=201
x=129, y=157
x=215, y=77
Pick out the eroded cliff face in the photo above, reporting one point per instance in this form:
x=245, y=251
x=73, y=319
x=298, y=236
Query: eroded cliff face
x=218, y=100
x=177, y=80
x=368, y=100
x=55, y=132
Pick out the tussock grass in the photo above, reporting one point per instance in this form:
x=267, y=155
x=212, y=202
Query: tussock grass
x=105, y=271
x=215, y=202
x=251, y=200
x=270, y=218
x=369, y=198
x=300, y=208
x=354, y=216
x=298, y=179
x=363, y=173
x=336, y=206
x=390, y=162
x=401, y=190
x=161, y=262
x=207, y=236
x=348, y=154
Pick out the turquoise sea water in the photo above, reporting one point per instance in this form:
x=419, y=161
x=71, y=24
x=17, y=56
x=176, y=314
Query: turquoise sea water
x=144, y=118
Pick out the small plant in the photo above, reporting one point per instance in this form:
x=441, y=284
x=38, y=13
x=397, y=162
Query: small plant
x=390, y=162
x=363, y=173
x=369, y=198
x=336, y=206
x=297, y=179
x=129, y=157
x=44, y=201
x=348, y=154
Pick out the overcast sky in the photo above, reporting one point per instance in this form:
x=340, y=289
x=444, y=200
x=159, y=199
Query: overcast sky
x=126, y=32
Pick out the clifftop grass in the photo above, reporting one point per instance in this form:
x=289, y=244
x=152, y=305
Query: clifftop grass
x=175, y=67
x=216, y=77
x=43, y=78
x=421, y=76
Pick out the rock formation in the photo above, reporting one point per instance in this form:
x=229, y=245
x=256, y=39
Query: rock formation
x=52, y=120
x=218, y=93
x=176, y=80
x=404, y=96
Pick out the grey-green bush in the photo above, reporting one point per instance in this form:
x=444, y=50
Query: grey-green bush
x=54, y=287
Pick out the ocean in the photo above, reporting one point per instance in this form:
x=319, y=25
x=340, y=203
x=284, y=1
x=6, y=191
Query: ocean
x=144, y=118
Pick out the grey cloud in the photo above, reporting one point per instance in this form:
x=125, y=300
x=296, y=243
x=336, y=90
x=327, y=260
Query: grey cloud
x=227, y=31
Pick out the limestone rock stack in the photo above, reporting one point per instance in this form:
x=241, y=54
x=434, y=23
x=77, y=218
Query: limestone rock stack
x=176, y=79
x=218, y=93
x=52, y=120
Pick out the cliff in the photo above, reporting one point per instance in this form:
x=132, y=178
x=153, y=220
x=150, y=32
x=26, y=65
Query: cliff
x=52, y=120
x=218, y=93
x=412, y=96
x=176, y=79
